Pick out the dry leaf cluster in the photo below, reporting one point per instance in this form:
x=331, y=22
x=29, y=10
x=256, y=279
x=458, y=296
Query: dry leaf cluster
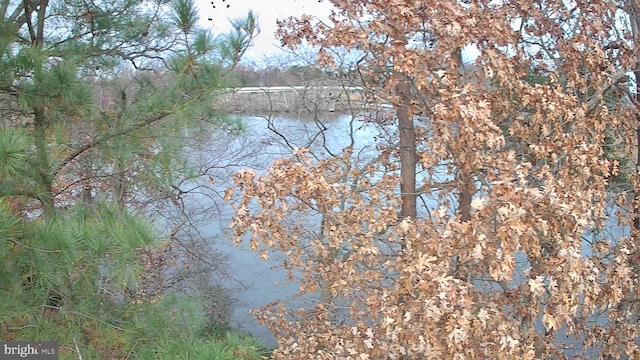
x=511, y=262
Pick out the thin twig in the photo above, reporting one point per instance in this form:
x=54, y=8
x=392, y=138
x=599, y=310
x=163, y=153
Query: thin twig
x=77, y=349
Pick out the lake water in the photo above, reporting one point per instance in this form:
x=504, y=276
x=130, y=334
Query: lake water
x=256, y=282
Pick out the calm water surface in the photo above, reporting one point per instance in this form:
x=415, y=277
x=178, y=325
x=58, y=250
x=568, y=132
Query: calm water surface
x=256, y=282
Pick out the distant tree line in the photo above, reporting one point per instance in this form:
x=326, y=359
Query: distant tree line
x=289, y=75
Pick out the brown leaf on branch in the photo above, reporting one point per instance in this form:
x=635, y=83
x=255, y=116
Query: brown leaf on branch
x=515, y=112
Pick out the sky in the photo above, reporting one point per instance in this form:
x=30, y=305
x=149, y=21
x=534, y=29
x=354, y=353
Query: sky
x=268, y=11
x=266, y=47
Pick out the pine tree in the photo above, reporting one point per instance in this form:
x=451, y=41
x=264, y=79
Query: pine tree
x=96, y=100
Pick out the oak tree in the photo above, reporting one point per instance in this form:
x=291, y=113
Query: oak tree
x=507, y=257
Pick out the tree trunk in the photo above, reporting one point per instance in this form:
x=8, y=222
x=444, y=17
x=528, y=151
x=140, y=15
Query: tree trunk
x=466, y=194
x=407, y=149
x=635, y=28
x=43, y=168
x=87, y=189
x=119, y=184
x=636, y=186
x=465, y=174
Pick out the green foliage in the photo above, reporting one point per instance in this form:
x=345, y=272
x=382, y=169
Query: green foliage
x=14, y=151
x=9, y=225
x=185, y=15
x=235, y=43
x=244, y=347
x=95, y=247
x=88, y=140
x=203, y=42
